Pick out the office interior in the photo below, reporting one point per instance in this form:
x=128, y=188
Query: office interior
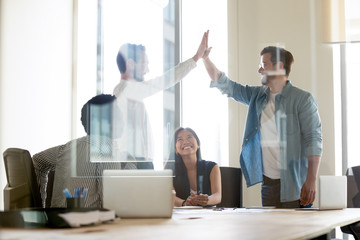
x=46, y=74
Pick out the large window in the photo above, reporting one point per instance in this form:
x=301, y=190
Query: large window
x=204, y=109
x=169, y=37
x=347, y=116
x=346, y=65
x=353, y=116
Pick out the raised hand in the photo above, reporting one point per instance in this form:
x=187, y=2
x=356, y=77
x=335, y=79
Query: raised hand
x=207, y=48
x=203, y=50
x=212, y=70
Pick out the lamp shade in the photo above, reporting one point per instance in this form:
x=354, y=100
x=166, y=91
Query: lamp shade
x=339, y=24
x=333, y=21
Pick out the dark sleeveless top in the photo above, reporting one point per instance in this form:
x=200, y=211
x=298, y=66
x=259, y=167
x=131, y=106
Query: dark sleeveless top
x=181, y=180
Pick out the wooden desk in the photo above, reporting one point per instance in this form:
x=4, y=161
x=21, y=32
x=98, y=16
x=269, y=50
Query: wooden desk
x=206, y=224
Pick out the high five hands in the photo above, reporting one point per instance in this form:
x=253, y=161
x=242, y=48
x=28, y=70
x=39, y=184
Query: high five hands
x=203, y=50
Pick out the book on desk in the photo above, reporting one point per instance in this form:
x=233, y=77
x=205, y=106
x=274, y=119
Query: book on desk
x=55, y=217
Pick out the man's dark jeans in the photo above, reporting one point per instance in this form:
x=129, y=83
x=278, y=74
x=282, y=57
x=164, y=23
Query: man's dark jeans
x=270, y=194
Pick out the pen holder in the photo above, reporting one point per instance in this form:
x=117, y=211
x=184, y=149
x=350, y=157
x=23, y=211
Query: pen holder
x=75, y=202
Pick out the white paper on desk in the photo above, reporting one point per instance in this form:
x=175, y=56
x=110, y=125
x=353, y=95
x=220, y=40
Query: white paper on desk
x=77, y=219
x=107, y=215
x=189, y=207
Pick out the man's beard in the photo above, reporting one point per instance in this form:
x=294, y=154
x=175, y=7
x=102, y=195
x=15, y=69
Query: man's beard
x=266, y=76
x=264, y=79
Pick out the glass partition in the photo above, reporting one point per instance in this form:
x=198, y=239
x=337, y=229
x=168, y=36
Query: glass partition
x=129, y=49
x=168, y=37
x=103, y=27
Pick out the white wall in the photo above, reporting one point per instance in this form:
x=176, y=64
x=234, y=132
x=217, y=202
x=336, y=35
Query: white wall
x=297, y=26
x=35, y=75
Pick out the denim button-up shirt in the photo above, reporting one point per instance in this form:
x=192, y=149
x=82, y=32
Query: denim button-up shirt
x=299, y=130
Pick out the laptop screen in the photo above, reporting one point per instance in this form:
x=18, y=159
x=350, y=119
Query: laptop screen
x=138, y=193
x=332, y=192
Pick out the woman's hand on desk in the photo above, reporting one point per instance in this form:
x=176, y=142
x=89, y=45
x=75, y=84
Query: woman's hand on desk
x=198, y=199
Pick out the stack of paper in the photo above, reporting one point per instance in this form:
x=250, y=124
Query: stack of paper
x=78, y=219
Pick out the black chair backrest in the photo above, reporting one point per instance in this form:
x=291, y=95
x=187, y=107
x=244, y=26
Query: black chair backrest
x=20, y=172
x=353, y=187
x=142, y=164
x=231, y=187
x=49, y=188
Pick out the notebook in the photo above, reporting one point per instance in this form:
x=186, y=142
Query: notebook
x=138, y=193
x=332, y=193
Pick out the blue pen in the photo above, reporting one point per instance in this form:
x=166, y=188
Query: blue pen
x=67, y=193
x=81, y=191
x=76, y=193
x=84, y=193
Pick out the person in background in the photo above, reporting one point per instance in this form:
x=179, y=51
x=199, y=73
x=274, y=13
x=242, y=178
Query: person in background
x=80, y=162
x=132, y=90
x=282, y=142
x=197, y=182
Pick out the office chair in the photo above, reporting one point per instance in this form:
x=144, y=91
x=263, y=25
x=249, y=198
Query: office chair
x=49, y=188
x=353, y=198
x=22, y=190
x=356, y=175
x=231, y=187
x=142, y=164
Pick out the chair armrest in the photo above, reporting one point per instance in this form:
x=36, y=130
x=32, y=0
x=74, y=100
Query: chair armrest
x=12, y=195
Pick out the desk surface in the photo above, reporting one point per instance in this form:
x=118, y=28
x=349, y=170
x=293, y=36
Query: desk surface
x=206, y=224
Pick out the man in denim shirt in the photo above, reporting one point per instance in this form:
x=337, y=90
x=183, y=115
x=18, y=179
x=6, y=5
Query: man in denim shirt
x=282, y=142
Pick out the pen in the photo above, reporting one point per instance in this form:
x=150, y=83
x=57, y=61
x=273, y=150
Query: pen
x=67, y=193
x=76, y=192
x=84, y=192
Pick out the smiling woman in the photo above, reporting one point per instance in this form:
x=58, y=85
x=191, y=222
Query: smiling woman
x=197, y=182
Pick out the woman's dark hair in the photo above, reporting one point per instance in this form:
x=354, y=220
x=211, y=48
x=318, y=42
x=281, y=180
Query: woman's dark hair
x=280, y=55
x=179, y=164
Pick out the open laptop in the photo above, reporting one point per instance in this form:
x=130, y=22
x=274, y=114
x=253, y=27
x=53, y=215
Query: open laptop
x=332, y=193
x=138, y=193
